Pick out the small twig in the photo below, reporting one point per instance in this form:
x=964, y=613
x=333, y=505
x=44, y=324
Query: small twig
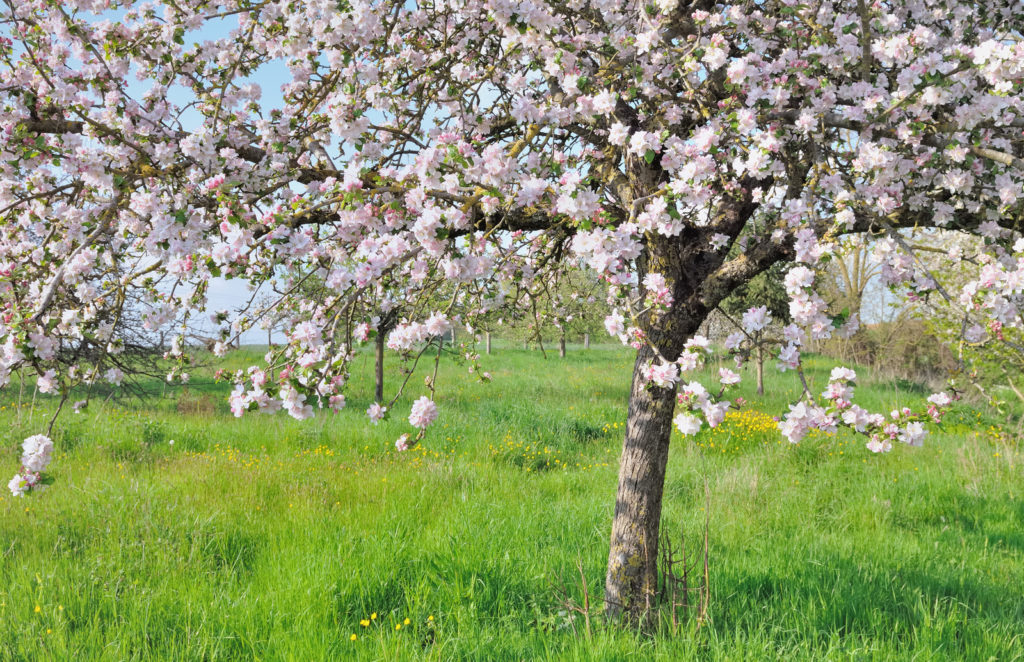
x=706, y=597
x=60, y=405
x=586, y=595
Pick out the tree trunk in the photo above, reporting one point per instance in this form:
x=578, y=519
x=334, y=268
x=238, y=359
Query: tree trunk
x=586, y=341
x=487, y=341
x=632, y=578
x=378, y=394
x=760, y=370
x=561, y=346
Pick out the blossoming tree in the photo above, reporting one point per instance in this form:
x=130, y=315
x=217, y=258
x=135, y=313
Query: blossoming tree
x=678, y=147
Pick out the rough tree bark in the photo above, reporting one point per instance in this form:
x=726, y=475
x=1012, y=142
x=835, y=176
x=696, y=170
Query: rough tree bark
x=561, y=346
x=487, y=344
x=699, y=280
x=632, y=568
x=632, y=578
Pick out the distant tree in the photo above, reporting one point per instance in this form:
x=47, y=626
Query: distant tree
x=766, y=291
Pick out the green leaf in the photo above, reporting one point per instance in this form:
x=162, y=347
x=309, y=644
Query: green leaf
x=841, y=318
x=649, y=156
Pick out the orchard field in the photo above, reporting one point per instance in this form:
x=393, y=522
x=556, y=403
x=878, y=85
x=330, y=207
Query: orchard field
x=174, y=531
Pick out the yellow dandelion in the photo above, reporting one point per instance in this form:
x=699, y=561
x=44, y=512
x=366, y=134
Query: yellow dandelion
x=364, y=623
x=353, y=637
x=398, y=626
x=406, y=621
x=373, y=616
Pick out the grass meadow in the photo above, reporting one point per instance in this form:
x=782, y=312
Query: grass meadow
x=271, y=539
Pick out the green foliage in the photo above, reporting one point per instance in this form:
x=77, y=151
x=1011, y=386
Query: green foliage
x=766, y=289
x=268, y=538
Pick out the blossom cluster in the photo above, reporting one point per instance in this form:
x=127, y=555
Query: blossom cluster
x=720, y=139
x=838, y=409
x=37, y=451
x=698, y=406
x=408, y=335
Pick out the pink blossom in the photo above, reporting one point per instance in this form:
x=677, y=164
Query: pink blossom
x=376, y=412
x=615, y=323
x=879, y=444
x=715, y=413
x=756, y=319
x=728, y=377
x=688, y=424
x=842, y=374
x=664, y=375
x=423, y=413
x=733, y=341
x=789, y=357
x=913, y=434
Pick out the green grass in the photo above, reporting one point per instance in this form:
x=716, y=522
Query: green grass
x=267, y=538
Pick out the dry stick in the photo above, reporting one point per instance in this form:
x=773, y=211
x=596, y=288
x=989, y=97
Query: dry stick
x=536, y=319
x=60, y=405
x=960, y=344
x=409, y=375
x=32, y=412
x=675, y=586
x=706, y=600
x=686, y=567
x=103, y=404
x=647, y=589
x=670, y=582
x=586, y=595
x=803, y=380
x=437, y=362
x=567, y=601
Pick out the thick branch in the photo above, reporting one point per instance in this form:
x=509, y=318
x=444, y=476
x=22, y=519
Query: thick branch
x=721, y=282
